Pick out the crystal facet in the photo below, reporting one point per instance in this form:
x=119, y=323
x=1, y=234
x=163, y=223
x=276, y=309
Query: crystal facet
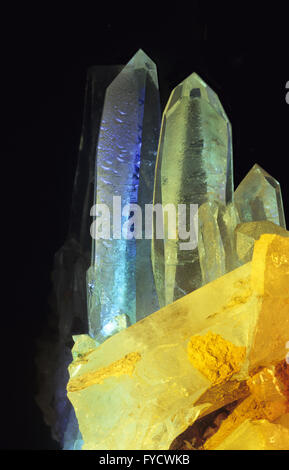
x=258, y=197
x=194, y=166
x=120, y=279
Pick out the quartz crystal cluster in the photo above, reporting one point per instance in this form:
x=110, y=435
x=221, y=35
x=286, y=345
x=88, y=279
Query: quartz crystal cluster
x=186, y=348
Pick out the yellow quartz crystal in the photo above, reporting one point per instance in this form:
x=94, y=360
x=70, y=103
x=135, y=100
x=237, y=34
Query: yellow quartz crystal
x=146, y=385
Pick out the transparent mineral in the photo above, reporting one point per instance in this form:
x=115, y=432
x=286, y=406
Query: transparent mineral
x=194, y=166
x=120, y=280
x=258, y=197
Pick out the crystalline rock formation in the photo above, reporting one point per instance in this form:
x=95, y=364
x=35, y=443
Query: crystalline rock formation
x=184, y=349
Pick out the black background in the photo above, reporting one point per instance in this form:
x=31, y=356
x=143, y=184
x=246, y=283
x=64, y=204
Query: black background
x=241, y=54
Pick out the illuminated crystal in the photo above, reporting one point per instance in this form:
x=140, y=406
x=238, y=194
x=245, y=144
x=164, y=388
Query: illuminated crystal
x=258, y=197
x=149, y=382
x=120, y=280
x=194, y=166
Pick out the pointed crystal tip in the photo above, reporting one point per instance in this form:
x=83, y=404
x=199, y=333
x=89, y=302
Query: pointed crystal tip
x=195, y=87
x=140, y=59
x=191, y=82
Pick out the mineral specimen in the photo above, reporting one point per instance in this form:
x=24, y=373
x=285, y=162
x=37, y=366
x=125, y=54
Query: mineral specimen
x=210, y=365
x=120, y=280
x=194, y=166
x=149, y=382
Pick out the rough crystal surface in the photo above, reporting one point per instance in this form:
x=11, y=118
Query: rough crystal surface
x=194, y=166
x=258, y=197
x=145, y=388
x=120, y=279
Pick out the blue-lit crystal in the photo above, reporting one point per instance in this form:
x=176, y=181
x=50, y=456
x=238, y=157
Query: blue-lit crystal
x=120, y=281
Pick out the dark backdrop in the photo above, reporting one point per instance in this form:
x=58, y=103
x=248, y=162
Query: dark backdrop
x=241, y=54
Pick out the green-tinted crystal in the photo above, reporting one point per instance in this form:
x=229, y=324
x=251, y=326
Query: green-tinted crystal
x=258, y=197
x=194, y=166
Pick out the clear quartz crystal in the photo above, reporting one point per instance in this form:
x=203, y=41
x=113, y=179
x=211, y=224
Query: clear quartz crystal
x=194, y=166
x=120, y=280
x=258, y=197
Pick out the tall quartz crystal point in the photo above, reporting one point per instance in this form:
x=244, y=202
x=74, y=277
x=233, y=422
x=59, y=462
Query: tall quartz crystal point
x=194, y=166
x=258, y=197
x=120, y=280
